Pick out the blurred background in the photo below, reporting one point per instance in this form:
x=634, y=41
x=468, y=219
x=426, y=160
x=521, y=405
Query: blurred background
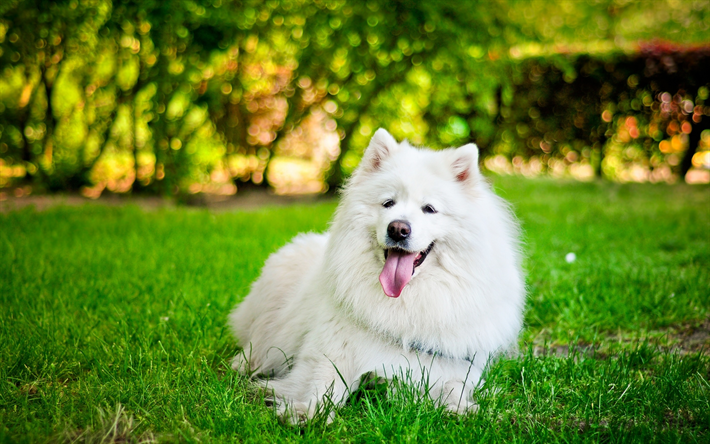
x=180, y=97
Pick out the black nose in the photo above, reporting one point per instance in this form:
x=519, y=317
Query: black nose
x=398, y=230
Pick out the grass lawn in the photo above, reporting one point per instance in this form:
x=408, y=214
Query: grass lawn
x=112, y=325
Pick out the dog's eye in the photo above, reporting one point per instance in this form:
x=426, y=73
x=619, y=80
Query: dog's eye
x=388, y=203
x=428, y=209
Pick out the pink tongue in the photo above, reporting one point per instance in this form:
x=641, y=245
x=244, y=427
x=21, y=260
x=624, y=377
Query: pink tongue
x=397, y=272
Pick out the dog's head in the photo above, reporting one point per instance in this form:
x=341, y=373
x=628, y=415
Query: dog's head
x=414, y=202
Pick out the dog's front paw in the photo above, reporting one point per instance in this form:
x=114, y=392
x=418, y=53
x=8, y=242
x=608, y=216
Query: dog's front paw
x=294, y=413
x=457, y=397
x=298, y=413
x=462, y=407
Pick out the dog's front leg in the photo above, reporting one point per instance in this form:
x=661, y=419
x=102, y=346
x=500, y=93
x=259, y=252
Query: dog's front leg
x=455, y=395
x=455, y=385
x=448, y=382
x=312, y=387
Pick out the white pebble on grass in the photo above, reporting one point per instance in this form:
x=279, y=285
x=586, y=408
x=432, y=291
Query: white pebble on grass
x=570, y=257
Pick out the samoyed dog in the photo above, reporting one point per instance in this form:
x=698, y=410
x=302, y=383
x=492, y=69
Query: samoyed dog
x=418, y=275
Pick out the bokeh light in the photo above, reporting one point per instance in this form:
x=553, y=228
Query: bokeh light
x=213, y=96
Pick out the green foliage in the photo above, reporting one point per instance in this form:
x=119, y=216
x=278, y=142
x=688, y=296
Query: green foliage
x=641, y=254
x=174, y=96
x=609, y=112
x=114, y=325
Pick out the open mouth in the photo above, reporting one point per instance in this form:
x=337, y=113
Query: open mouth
x=399, y=268
x=417, y=260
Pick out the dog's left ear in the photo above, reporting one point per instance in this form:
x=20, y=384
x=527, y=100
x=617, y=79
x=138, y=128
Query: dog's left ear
x=382, y=145
x=465, y=163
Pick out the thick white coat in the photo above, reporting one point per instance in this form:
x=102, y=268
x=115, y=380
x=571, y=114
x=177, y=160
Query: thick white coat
x=317, y=318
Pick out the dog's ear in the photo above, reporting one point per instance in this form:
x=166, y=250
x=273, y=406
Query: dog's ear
x=382, y=145
x=465, y=163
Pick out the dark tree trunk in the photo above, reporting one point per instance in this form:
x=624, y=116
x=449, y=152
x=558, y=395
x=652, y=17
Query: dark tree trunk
x=334, y=177
x=136, y=184
x=49, y=119
x=23, y=117
x=598, y=170
x=43, y=176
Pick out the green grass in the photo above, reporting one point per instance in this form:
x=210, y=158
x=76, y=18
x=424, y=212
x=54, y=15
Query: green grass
x=113, y=325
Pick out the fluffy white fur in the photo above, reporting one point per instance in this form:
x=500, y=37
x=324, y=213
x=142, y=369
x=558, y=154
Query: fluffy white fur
x=317, y=319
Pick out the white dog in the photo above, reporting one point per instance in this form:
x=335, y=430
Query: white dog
x=419, y=274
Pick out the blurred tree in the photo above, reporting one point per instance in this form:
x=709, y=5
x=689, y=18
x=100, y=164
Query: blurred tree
x=569, y=107
x=355, y=55
x=166, y=54
x=166, y=96
x=47, y=50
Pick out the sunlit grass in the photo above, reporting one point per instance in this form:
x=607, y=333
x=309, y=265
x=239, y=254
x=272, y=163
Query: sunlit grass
x=642, y=255
x=113, y=325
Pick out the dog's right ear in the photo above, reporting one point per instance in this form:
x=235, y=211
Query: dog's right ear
x=465, y=163
x=382, y=145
